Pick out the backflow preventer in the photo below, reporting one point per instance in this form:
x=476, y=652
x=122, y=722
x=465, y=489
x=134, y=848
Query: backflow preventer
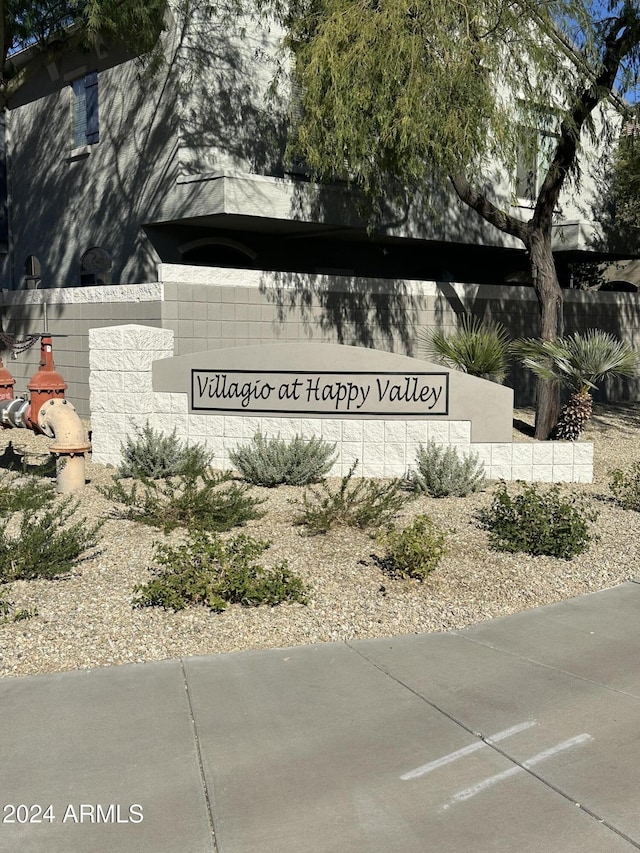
x=47, y=412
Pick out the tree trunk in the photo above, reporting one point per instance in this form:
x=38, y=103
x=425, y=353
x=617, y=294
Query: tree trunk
x=547, y=288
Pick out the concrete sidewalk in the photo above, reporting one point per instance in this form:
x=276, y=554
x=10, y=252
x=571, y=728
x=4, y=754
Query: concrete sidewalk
x=519, y=734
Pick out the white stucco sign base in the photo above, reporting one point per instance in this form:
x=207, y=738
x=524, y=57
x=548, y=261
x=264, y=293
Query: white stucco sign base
x=376, y=407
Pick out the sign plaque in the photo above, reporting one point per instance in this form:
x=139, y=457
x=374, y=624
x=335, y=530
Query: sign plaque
x=306, y=392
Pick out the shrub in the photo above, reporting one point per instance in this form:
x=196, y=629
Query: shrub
x=153, y=455
x=363, y=503
x=32, y=494
x=414, y=551
x=441, y=472
x=272, y=462
x=184, y=501
x=47, y=546
x=478, y=347
x=538, y=523
x=207, y=570
x=625, y=486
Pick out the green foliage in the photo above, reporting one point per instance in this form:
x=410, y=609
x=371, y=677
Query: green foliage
x=211, y=571
x=47, y=544
x=625, y=486
x=153, y=455
x=538, y=522
x=30, y=495
x=578, y=361
x=478, y=347
x=272, y=462
x=393, y=91
x=414, y=551
x=413, y=95
x=186, y=501
x=441, y=472
x=355, y=503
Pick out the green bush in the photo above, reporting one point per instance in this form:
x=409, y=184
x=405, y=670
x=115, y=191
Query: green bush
x=272, y=462
x=47, y=545
x=478, y=347
x=441, y=472
x=208, y=570
x=152, y=455
x=538, y=523
x=360, y=503
x=625, y=486
x=31, y=495
x=414, y=551
x=184, y=501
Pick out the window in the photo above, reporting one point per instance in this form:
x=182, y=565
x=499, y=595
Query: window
x=86, y=130
x=32, y=273
x=95, y=267
x=534, y=159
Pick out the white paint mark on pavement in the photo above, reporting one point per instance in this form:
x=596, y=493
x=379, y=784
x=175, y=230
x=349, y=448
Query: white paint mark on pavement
x=466, y=750
x=467, y=793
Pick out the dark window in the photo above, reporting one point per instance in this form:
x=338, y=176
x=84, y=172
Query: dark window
x=534, y=159
x=32, y=273
x=86, y=126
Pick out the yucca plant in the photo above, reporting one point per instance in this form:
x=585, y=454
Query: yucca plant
x=578, y=362
x=477, y=347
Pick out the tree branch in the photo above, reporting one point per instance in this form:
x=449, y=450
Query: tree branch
x=488, y=211
x=622, y=37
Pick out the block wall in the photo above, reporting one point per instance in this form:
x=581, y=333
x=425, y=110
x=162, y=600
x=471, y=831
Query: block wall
x=207, y=308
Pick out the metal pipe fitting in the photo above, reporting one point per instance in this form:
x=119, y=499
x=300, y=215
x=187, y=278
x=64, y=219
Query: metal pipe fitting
x=14, y=413
x=58, y=419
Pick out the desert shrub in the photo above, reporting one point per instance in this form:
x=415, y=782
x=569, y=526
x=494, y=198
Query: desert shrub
x=414, y=551
x=272, y=462
x=211, y=571
x=355, y=503
x=153, y=455
x=47, y=545
x=538, y=523
x=478, y=347
x=31, y=494
x=440, y=472
x=184, y=501
x=625, y=486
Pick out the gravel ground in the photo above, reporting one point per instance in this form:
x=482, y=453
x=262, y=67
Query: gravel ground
x=85, y=620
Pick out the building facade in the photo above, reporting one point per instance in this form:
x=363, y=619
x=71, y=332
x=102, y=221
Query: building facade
x=164, y=198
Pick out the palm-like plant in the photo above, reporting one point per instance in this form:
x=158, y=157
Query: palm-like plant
x=478, y=347
x=578, y=362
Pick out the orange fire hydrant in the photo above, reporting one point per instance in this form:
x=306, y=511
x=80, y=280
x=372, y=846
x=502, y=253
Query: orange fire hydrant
x=46, y=383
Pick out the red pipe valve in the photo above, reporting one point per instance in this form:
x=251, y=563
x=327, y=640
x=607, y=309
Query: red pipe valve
x=46, y=383
x=6, y=383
